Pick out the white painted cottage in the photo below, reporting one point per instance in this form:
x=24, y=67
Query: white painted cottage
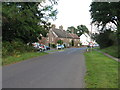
x=85, y=39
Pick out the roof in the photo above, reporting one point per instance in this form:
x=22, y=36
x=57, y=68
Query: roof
x=64, y=34
x=74, y=36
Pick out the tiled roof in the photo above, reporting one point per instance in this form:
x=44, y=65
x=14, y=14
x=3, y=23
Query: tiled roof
x=64, y=34
x=74, y=36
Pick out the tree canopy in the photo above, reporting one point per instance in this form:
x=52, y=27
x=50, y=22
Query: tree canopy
x=105, y=12
x=26, y=20
x=81, y=29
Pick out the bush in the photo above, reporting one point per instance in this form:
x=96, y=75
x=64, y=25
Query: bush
x=64, y=46
x=15, y=48
x=72, y=42
x=60, y=42
x=53, y=45
x=105, y=39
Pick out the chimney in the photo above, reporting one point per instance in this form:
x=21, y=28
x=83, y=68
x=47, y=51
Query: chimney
x=61, y=27
x=53, y=26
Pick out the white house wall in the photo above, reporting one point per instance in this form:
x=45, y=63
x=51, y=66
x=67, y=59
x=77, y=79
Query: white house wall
x=85, y=39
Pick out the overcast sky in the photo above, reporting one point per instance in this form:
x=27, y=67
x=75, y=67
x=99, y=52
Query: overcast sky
x=73, y=13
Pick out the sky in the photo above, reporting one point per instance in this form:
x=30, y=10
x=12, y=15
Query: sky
x=73, y=13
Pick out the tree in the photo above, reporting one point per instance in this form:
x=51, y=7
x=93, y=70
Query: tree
x=71, y=29
x=25, y=20
x=81, y=29
x=104, y=39
x=72, y=42
x=103, y=13
x=60, y=42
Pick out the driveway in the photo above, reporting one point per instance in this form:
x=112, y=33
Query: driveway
x=63, y=69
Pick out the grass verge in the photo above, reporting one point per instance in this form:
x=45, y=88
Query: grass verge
x=21, y=57
x=102, y=71
x=112, y=50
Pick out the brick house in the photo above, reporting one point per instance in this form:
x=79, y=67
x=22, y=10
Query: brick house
x=59, y=34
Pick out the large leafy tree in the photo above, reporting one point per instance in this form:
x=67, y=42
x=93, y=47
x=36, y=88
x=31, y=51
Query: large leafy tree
x=104, y=39
x=26, y=20
x=81, y=29
x=103, y=13
x=71, y=29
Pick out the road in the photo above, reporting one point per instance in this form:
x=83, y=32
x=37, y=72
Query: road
x=63, y=69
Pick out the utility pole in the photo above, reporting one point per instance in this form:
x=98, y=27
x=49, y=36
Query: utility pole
x=50, y=36
x=91, y=43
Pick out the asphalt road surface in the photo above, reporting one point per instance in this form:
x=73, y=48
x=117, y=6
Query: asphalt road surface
x=63, y=69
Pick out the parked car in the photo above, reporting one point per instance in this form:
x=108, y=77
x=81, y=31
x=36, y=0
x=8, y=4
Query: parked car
x=60, y=47
x=47, y=47
x=43, y=47
x=37, y=46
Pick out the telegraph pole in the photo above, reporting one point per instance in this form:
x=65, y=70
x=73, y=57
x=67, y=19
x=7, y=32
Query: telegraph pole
x=50, y=37
x=91, y=43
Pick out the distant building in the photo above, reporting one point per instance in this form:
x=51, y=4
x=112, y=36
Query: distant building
x=60, y=34
x=85, y=39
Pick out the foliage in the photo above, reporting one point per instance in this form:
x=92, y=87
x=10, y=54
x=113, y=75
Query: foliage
x=103, y=13
x=71, y=29
x=105, y=38
x=60, y=42
x=64, y=46
x=81, y=29
x=72, y=42
x=53, y=45
x=15, y=48
x=102, y=71
x=24, y=20
x=80, y=44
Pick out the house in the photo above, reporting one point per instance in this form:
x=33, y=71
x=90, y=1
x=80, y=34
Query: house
x=85, y=39
x=56, y=34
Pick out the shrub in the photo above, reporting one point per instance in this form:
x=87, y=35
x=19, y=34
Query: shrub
x=53, y=46
x=60, y=42
x=104, y=39
x=15, y=48
x=72, y=42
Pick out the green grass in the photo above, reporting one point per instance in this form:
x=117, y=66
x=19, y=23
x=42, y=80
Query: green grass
x=21, y=57
x=102, y=71
x=112, y=50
